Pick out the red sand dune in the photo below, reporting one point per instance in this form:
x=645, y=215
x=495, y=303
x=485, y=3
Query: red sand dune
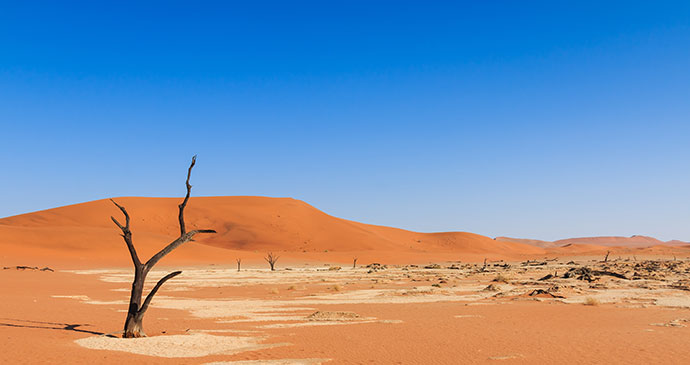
x=583, y=244
x=248, y=224
x=248, y=227
x=579, y=248
x=676, y=243
x=527, y=241
x=613, y=241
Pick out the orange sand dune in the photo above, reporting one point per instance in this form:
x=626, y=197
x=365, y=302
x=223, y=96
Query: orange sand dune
x=583, y=244
x=613, y=241
x=676, y=243
x=252, y=225
x=579, y=248
x=527, y=241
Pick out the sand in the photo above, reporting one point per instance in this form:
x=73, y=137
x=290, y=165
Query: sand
x=247, y=228
x=270, y=362
x=190, y=345
x=431, y=299
x=82, y=235
x=387, y=316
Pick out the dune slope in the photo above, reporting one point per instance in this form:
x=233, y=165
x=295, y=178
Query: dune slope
x=527, y=241
x=613, y=241
x=254, y=224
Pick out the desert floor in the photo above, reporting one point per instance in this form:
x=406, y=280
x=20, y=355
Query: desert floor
x=632, y=310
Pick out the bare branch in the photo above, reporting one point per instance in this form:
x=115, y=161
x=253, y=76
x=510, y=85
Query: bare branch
x=184, y=235
x=173, y=245
x=117, y=223
x=149, y=297
x=127, y=235
x=186, y=198
x=124, y=211
x=271, y=259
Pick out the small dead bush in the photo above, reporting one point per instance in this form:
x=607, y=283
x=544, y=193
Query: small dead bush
x=500, y=278
x=591, y=301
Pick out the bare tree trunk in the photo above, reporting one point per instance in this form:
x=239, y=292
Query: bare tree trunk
x=239, y=261
x=133, y=324
x=354, y=262
x=607, y=256
x=135, y=313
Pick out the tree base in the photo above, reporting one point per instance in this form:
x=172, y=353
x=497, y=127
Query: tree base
x=134, y=335
x=133, y=329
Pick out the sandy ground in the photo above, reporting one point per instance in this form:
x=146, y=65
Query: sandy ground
x=314, y=314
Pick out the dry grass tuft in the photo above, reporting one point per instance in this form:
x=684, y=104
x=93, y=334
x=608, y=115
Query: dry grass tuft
x=500, y=278
x=332, y=316
x=415, y=291
x=590, y=301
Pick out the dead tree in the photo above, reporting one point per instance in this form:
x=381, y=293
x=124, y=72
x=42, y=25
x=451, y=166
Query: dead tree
x=137, y=309
x=607, y=256
x=354, y=262
x=271, y=259
x=239, y=261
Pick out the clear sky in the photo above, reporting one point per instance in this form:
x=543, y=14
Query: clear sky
x=547, y=119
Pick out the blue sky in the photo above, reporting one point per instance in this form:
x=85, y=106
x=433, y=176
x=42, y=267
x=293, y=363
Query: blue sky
x=528, y=119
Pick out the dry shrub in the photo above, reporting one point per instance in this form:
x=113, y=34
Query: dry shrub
x=591, y=301
x=415, y=291
x=500, y=278
x=332, y=316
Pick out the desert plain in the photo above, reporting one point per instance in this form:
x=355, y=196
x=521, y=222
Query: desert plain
x=425, y=298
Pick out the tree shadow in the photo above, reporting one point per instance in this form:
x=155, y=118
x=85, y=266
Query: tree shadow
x=24, y=323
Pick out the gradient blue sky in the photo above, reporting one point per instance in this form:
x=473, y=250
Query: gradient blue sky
x=534, y=119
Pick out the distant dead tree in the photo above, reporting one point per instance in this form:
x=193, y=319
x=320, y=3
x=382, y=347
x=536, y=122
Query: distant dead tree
x=271, y=259
x=239, y=261
x=137, y=309
x=354, y=262
x=607, y=256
